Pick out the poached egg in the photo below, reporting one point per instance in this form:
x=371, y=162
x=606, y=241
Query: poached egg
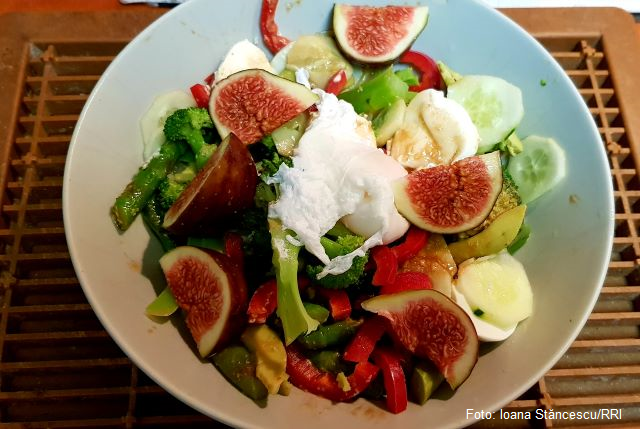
x=338, y=174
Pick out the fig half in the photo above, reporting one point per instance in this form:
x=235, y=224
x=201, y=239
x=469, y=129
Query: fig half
x=431, y=326
x=377, y=34
x=210, y=289
x=252, y=103
x=450, y=198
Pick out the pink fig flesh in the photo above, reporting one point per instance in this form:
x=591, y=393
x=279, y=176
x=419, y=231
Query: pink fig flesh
x=431, y=326
x=450, y=198
x=225, y=186
x=210, y=290
x=253, y=103
x=377, y=34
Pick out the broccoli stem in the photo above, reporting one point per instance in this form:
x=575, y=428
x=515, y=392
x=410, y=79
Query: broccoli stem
x=294, y=317
x=138, y=192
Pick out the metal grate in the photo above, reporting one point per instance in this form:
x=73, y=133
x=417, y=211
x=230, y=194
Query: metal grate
x=60, y=369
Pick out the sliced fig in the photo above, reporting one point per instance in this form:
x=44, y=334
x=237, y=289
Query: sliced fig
x=431, y=326
x=450, y=198
x=211, y=290
x=377, y=34
x=252, y=103
x=223, y=187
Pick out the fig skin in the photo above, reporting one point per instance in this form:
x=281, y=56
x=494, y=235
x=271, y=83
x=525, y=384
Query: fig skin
x=412, y=315
x=221, y=289
x=225, y=186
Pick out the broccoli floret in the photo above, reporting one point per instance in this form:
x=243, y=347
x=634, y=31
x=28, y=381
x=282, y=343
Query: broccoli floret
x=172, y=186
x=190, y=125
x=268, y=160
x=338, y=246
x=508, y=198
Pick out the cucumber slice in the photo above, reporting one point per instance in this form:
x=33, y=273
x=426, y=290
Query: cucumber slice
x=387, y=122
x=495, y=106
x=539, y=167
x=496, y=288
x=152, y=122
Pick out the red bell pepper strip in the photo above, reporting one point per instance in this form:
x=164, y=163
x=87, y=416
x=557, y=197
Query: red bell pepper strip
x=337, y=82
x=338, y=300
x=209, y=80
x=427, y=69
x=272, y=39
x=386, y=266
x=304, y=375
x=395, y=383
x=201, y=94
x=264, y=301
x=364, y=341
x=414, y=241
x=408, y=280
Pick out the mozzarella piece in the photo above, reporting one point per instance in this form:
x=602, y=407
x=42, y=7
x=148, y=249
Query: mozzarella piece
x=436, y=131
x=244, y=55
x=486, y=331
x=337, y=171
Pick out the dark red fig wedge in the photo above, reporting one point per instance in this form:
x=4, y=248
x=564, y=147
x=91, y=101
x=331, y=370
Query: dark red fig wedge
x=377, y=34
x=210, y=289
x=253, y=103
x=450, y=198
x=431, y=326
x=223, y=187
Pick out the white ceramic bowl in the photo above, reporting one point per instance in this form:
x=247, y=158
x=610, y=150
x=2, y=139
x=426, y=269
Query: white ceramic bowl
x=566, y=257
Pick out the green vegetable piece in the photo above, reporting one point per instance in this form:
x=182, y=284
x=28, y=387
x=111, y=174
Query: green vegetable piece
x=316, y=311
x=329, y=361
x=138, y=192
x=153, y=215
x=286, y=136
x=163, y=306
x=174, y=184
x=238, y=366
x=425, y=379
x=448, y=76
x=268, y=159
x=388, y=121
x=520, y=240
x=376, y=93
x=210, y=243
x=188, y=125
x=295, y=319
x=331, y=335
x=342, y=245
x=511, y=145
x=408, y=76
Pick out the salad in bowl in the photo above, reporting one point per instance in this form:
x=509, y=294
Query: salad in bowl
x=342, y=218
x=342, y=214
